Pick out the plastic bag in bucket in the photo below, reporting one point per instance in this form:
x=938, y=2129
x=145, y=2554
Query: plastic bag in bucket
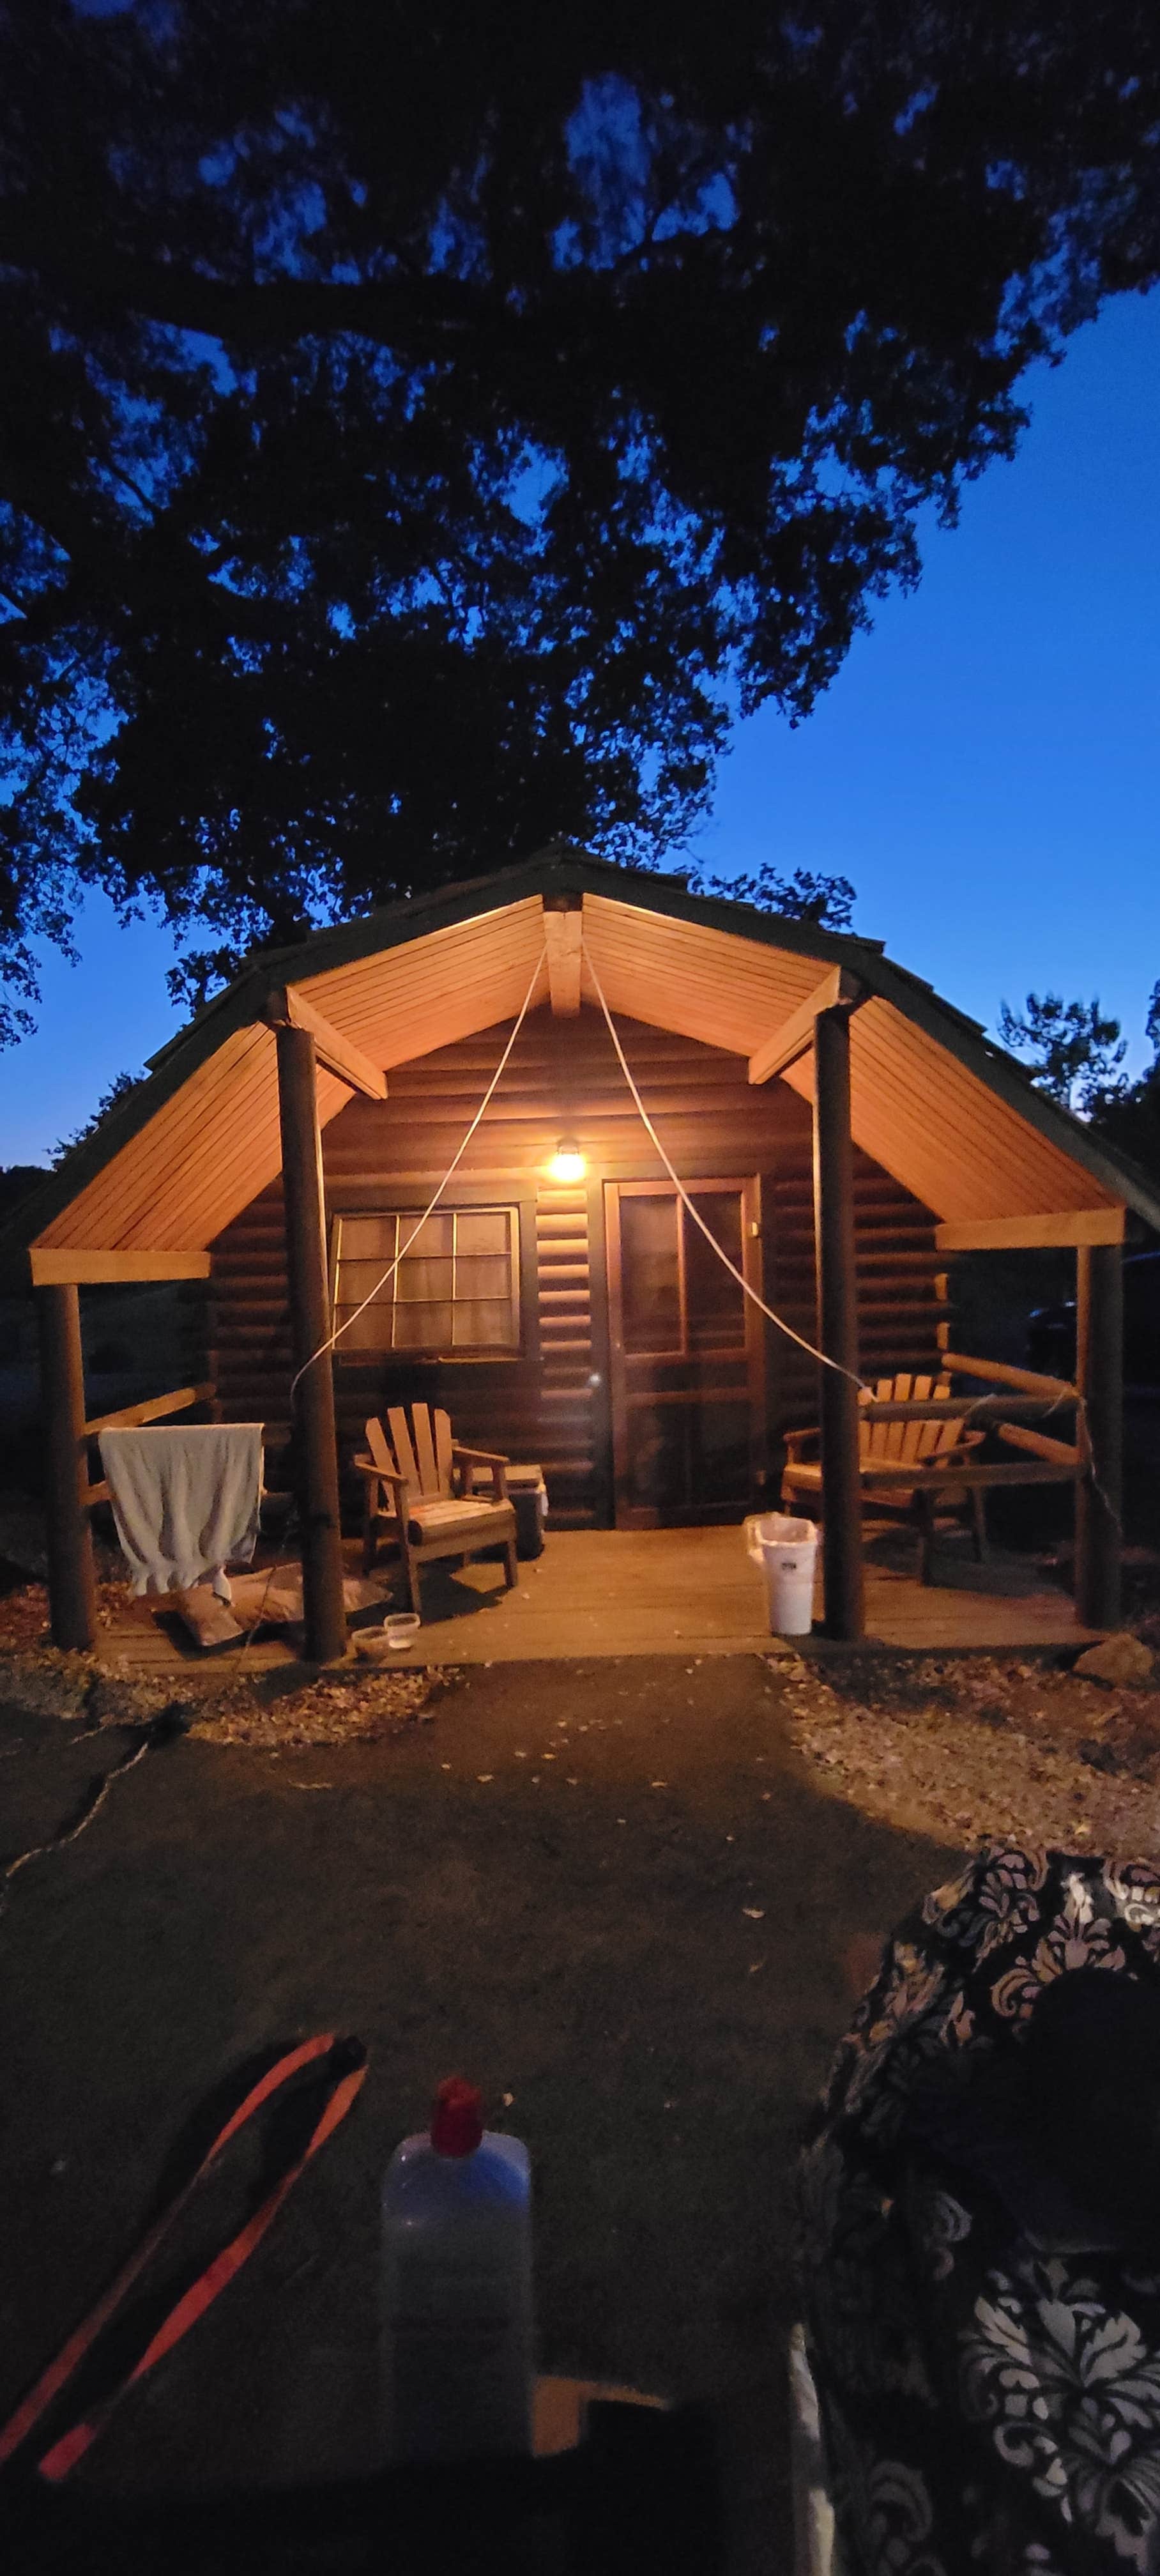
x=786, y=1550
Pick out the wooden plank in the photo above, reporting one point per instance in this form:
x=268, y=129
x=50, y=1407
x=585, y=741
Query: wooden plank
x=48, y=1267
x=154, y=1408
x=958, y=1408
x=425, y=1448
x=1002, y=1373
x=796, y=1033
x=72, y=1588
x=915, y=1439
x=404, y=1454
x=1100, y=1370
x=563, y=934
x=287, y=1007
x=673, y=1593
x=844, y=1613
x=1031, y=1233
x=1019, y=1435
x=325, y=1613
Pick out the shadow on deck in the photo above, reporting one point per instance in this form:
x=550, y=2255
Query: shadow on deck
x=662, y=1592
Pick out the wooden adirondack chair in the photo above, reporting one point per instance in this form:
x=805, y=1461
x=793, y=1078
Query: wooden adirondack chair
x=906, y=1468
x=414, y=1494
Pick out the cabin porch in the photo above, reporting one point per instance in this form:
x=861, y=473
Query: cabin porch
x=679, y=1592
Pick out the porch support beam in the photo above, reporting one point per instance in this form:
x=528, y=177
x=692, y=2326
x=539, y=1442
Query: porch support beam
x=287, y=1008
x=1100, y=1375
x=50, y=1267
x=563, y=931
x=795, y=1036
x=837, y=1327
x=1031, y=1233
x=325, y=1616
x=72, y=1587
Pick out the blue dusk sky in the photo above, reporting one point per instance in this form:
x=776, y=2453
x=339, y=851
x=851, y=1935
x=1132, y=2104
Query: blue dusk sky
x=984, y=768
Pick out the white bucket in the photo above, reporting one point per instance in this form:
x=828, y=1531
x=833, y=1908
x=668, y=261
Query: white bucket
x=785, y=1549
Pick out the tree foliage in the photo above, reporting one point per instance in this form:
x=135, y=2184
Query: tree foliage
x=1129, y=1114
x=422, y=430
x=119, y=1086
x=1076, y=1050
x=827, y=902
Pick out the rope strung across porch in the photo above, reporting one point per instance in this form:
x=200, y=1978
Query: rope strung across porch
x=695, y=1212
x=432, y=1203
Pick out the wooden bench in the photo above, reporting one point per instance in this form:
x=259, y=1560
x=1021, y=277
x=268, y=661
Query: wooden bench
x=912, y=1443
x=920, y=1477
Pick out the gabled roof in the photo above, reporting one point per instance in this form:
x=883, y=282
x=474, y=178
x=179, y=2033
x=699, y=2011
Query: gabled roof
x=933, y=1099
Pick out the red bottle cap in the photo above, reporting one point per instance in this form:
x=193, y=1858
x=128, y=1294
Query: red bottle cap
x=457, y=2117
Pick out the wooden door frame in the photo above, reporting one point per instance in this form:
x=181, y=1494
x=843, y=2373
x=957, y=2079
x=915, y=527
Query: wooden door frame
x=752, y=1248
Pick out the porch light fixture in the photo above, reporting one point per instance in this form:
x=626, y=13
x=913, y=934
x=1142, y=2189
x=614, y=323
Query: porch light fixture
x=568, y=1162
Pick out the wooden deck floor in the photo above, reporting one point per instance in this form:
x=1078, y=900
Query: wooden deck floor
x=662, y=1592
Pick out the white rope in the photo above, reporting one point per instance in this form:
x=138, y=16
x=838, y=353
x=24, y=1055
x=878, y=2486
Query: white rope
x=333, y=1338
x=695, y=1212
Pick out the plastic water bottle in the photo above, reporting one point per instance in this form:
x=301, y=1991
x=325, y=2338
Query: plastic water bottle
x=457, y=2272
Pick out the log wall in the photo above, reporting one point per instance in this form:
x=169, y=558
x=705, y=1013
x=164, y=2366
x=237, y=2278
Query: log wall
x=551, y=1401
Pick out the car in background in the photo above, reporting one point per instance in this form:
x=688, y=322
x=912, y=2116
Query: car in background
x=1051, y=1329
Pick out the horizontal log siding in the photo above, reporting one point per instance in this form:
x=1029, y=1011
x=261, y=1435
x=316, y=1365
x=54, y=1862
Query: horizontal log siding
x=551, y=1403
x=898, y=1304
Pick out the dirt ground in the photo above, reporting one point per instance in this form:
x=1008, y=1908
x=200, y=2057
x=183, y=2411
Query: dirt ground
x=614, y=1895
x=621, y=1896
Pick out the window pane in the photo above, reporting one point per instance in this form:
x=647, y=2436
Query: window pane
x=650, y=1290
x=357, y=1279
x=716, y=1304
x=423, y=1327
x=370, y=1332
x=482, y=1230
x=437, y=1236
x=484, y=1323
x=423, y=1279
x=366, y=1238
x=452, y=1289
x=482, y=1278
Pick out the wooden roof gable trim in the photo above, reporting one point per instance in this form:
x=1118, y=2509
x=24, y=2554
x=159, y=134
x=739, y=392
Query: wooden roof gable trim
x=192, y=1048
x=396, y=925
x=630, y=894
x=1032, y=1233
x=563, y=939
x=990, y=1064
x=287, y=1008
x=797, y=1032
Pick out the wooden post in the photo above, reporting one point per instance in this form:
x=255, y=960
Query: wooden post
x=1100, y=1379
x=837, y=1326
x=72, y=1588
x=325, y=1617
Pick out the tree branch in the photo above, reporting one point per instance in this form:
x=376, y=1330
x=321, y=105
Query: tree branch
x=430, y=314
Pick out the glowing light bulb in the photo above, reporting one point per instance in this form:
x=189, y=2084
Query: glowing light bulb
x=568, y=1162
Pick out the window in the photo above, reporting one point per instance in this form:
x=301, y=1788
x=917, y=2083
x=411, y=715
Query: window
x=456, y=1290
x=679, y=1300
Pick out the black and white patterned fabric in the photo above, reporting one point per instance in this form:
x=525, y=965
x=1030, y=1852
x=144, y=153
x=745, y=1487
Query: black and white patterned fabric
x=990, y=2401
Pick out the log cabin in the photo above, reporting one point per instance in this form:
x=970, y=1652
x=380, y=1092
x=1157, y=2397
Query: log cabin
x=838, y=1129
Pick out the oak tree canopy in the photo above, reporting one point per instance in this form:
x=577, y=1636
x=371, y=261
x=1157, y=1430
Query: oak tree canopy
x=422, y=430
